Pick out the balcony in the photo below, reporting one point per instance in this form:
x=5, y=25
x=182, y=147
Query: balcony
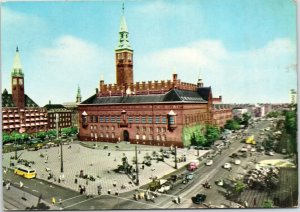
x=11, y=115
x=5, y=127
x=5, y=116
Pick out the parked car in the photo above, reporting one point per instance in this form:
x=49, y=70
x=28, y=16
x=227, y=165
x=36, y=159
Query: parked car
x=253, y=150
x=192, y=166
x=271, y=153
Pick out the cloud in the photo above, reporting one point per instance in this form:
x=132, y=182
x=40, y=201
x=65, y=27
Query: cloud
x=68, y=62
x=259, y=74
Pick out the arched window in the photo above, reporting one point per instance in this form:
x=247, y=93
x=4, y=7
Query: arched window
x=92, y=135
x=113, y=135
x=163, y=137
x=107, y=135
x=150, y=137
x=101, y=135
x=144, y=137
x=137, y=136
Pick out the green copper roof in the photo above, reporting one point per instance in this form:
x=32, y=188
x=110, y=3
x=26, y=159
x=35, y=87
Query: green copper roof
x=78, y=93
x=17, y=66
x=123, y=42
x=123, y=25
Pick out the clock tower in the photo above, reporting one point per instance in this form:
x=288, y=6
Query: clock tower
x=124, y=55
x=17, y=78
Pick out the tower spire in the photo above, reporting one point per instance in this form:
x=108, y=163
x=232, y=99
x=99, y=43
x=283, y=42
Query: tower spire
x=123, y=8
x=17, y=66
x=78, y=96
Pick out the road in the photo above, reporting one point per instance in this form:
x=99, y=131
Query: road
x=72, y=200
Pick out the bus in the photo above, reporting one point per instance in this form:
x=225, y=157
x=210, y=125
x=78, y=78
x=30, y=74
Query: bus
x=25, y=171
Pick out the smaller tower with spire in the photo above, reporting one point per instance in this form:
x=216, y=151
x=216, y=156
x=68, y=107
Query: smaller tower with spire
x=78, y=96
x=17, y=82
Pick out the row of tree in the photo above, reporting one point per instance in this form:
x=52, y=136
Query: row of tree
x=236, y=122
x=206, y=138
x=23, y=137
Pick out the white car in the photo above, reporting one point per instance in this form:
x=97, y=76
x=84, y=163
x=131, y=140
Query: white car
x=253, y=150
x=237, y=162
x=271, y=153
x=209, y=162
x=243, y=149
x=227, y=166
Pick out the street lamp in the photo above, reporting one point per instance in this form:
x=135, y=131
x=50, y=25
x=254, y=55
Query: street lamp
x=176, y=158
x=61, y=149
x=137, y=167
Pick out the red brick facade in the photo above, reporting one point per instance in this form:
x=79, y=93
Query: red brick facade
x=142, y=123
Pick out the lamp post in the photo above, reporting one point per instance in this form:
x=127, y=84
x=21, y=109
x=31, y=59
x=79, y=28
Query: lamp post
x=176, y=158
x=137, y=167
x=16, y=148
x=61, y=149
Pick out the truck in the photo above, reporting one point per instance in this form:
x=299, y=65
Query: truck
x=250, y=140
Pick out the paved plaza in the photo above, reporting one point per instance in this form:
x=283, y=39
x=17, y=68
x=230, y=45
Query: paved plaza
x=100, y=162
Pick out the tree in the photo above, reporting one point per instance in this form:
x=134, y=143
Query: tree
x=15, y=136
x=239, y=187
x=212, y=133
x=41, y=135
x=268, y=204
x=232, y=125
x=245, y=119
x=198, y=139
x=273, y=114
x=6, y=138
x=74, y=130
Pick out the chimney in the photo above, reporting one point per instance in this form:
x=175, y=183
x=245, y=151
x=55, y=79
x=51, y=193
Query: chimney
x=97, y=91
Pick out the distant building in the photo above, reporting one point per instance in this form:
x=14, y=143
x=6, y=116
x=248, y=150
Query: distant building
x=238, y=112
x=63, y=113
x=73, y=107
x=293, y=96
x=221, y=113
x=19, y=112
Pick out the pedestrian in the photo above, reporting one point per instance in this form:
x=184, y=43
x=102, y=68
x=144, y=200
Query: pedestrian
x=117, y=192
x=53, y=200
x=114, y=183
x=8, y=186
x=152, y=198
x=178, y=199
x=87, y=182
x=75, y=181
x=59, y=180
x=109, y=191
x=109, y=154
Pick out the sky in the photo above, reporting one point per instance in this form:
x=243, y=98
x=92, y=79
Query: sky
x=246, y=50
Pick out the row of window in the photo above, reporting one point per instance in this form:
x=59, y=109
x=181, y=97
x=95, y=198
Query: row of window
x=196, y=118
x=137, y=136
x=138, y=128
x=60, y=125
x=61, y=120
x=53, y=115
x=131, y=119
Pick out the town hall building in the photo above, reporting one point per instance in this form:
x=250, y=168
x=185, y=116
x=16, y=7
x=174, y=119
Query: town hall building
x=161, y=113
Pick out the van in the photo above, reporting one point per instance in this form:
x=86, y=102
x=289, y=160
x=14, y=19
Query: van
x=25, y=171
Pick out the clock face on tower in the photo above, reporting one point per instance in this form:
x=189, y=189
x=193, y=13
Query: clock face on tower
x=14, y=81
x=21, y=81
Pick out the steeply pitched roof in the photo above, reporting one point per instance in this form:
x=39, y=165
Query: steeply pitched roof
x=173, y=95
x=204, y=92
x=7, y=100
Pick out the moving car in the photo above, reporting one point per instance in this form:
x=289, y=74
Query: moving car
x=199, y=198
x=209, y=162
x=237, y=162
x=227, y=166
x=243, y=149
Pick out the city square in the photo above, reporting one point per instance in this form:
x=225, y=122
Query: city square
x=111, y=105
